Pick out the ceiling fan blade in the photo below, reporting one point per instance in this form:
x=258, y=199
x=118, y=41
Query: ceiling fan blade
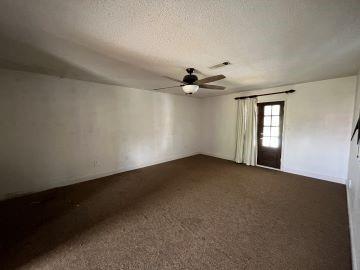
x=176, y=80
x=214, y=87
x=167, y=87
x=210, y=79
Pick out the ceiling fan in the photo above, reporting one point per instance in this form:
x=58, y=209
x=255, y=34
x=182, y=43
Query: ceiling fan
x=190, y=83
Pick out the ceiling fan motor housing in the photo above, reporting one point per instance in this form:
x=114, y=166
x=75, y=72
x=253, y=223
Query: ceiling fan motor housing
x=190, y=79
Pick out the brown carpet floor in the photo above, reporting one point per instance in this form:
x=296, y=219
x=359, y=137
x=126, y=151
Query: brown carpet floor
x=193, y=213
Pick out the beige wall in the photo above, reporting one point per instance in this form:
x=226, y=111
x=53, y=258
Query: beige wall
x=59, y=131
x=353, y=188
x=317, y=126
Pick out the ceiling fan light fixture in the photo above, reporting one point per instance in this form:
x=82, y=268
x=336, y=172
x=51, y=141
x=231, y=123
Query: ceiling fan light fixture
x=190, y=88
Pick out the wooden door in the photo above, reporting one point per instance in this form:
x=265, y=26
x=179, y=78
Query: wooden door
x=270, y=127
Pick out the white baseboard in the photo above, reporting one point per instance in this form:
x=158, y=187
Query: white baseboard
x=315, y=175
x=68, y=181
x=216, y=155
x=54, y=183
x=291, y=170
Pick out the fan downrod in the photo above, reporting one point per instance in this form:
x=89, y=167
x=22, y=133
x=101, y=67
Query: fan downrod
x=190, y=70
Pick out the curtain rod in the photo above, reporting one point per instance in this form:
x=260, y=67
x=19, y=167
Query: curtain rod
x=282, y=92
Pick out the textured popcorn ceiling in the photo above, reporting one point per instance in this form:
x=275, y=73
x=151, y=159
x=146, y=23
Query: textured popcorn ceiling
x=134, y=43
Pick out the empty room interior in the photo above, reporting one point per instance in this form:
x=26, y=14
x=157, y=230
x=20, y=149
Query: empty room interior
x=170, y=134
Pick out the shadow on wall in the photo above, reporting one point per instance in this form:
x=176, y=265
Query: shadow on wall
x=61, y=132
x=53, y=132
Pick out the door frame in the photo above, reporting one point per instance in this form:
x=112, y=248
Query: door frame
x=283, y=145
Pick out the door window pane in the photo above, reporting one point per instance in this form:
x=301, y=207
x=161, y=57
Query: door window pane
x=275, y=110
x=275, y=121
x=266, y=141
x=274, y=142
x=271, y=126
x=274, y=131
x=266, y=131
x=267, y=110
x=267, y=120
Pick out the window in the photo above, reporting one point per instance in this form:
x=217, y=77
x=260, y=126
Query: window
x=271, y=128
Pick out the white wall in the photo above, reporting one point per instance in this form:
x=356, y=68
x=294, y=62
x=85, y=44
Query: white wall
x=317, y=127
x=59, y=131
x=353, y=188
